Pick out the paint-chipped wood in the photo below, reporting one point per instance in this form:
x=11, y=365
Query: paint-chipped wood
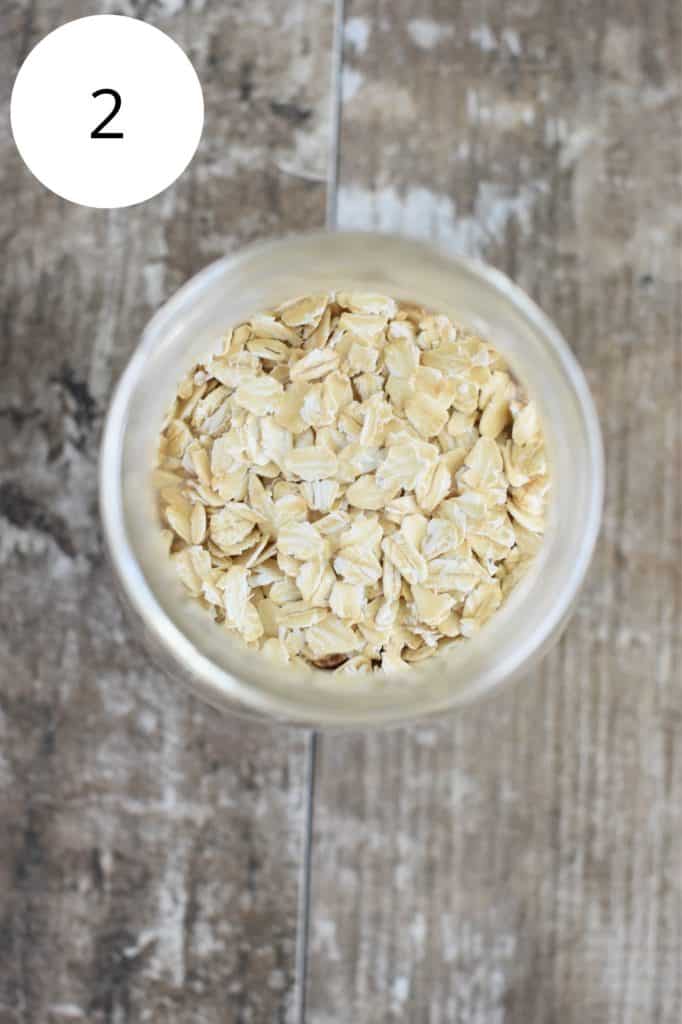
x=521, y=862
x=150, y=849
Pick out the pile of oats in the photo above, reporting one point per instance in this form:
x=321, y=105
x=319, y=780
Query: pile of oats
x=352, y=483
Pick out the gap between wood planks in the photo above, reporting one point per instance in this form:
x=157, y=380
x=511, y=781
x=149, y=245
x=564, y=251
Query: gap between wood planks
x=304, y=885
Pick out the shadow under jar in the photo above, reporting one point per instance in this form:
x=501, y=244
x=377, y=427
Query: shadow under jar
x=200, y=653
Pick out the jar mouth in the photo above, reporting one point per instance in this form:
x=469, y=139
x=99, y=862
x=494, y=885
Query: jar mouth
x=187, y=326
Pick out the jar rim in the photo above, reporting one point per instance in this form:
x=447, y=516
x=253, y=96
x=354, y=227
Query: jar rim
x=363, y=708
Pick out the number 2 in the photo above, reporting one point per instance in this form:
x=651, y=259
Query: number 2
x=97, y=132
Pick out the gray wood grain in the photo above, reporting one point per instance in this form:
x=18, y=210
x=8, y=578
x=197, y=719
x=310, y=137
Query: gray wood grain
x=520, y=863
x=150, y=849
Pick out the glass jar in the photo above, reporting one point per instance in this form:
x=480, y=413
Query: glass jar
x=179, y=632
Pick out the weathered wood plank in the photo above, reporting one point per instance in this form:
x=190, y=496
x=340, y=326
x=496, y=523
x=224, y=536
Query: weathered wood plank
x=150, y=850
x=520, y=863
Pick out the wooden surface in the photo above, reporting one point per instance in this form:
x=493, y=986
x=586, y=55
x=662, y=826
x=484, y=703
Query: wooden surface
x=150, y=850
x=521, y=863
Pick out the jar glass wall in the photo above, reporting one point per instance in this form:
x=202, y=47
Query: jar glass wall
x=176, y=628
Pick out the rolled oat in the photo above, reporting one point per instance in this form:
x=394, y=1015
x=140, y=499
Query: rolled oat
x=351, y=482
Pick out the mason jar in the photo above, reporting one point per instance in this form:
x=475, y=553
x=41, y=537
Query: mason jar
x=202, y=654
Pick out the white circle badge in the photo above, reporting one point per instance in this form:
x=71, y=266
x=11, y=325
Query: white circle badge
x=107, y=111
